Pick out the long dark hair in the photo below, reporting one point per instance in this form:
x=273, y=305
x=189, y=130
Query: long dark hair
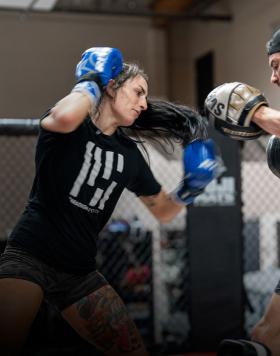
x=169, y=121
x=163, y=121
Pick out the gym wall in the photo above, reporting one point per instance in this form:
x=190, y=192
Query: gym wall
x=39, y=53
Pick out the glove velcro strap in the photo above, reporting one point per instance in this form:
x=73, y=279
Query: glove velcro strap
x=91, y=90
x=182, y=195
x=93, y=77
x=242, y=348
x=250, y=108
x=238, y=132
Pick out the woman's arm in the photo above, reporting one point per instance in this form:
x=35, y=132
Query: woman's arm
x=68, y=113
x=201, y=166
x=162, y=206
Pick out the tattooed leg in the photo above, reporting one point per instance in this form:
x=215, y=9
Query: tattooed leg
x=102, y=319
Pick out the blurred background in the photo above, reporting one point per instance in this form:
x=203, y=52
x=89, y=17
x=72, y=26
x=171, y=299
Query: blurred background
x=209, y=274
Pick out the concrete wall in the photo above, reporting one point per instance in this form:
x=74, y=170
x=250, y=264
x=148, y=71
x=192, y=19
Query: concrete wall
x=39, y=52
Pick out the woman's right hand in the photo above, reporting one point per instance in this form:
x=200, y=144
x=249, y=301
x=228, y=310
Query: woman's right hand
x=99, y=64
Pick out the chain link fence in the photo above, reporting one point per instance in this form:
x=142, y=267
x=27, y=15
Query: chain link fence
x=261, y=221
x=147, y=262
x=16, y=174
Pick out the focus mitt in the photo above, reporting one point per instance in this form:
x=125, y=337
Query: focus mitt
x=231, y=106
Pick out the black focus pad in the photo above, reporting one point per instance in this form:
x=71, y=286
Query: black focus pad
x=242, y=348
x=273, y=155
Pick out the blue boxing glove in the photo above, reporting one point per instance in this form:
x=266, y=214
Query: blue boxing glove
x=97, y=66
x=201, y=166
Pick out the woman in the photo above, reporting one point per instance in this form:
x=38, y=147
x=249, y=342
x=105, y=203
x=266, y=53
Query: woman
x=84, y=160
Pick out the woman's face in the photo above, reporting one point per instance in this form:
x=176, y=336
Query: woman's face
x=129, y=100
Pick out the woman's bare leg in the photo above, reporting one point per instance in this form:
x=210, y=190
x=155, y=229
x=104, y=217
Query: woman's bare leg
x=19, y=304
x=101, y=318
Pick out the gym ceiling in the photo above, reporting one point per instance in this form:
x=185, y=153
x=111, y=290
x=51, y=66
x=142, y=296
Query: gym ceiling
x=168, y=10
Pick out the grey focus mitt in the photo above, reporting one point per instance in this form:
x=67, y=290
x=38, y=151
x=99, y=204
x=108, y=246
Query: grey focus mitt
x=230, y=108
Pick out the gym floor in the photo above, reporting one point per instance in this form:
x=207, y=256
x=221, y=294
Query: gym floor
x=196, y=354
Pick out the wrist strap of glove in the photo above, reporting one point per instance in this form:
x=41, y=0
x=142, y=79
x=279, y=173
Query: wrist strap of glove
x=183, y=196
x=91, y=89
x=91, y=77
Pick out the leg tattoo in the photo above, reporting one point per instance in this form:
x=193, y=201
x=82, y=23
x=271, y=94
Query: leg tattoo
x=107, y=321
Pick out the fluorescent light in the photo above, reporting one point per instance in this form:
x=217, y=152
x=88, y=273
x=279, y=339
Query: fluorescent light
x=44, y=5
x=39, y=5
x=17, y=4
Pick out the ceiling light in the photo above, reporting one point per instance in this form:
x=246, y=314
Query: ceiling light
x=39, y=5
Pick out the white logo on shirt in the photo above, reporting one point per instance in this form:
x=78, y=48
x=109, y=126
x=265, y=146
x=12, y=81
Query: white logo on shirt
x=94, y=164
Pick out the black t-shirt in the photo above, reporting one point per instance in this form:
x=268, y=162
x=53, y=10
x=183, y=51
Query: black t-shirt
x=79, y=179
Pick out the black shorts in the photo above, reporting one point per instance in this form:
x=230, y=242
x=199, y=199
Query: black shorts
x=60, y=289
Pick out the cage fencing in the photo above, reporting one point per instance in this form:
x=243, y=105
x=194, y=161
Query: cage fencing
x=261, y=221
